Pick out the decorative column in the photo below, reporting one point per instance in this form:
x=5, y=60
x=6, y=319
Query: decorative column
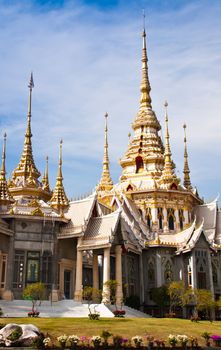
x=95, y=274
x=106, y=276
x=118, y=272
x=141, y=278
x=165, y=221
x=159, y=270
x=154, y=214
x=193, y=269
x=177, y=220
x=79, y=273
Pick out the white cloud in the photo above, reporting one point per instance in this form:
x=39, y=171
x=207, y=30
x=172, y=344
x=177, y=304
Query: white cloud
x=86, y=61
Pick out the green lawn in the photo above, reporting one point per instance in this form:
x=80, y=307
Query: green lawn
x=158, y=327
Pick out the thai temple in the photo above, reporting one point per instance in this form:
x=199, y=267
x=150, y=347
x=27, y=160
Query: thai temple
x=145, y=231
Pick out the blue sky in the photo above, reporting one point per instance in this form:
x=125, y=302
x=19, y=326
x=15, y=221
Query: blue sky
x=85, y=56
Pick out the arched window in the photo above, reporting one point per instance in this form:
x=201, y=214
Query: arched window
x=181, y=218
x=129, y=188
x=149, y=217
x=171, y=219
x=139, y=164
x=160, y=217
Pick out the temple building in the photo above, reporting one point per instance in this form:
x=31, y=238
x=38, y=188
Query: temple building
x=145, y=231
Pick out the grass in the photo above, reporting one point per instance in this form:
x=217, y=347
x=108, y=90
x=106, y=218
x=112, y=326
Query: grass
x=158, y=327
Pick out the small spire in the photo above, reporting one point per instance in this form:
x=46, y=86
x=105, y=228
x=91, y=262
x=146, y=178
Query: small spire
x=59, y=199
x=186, y=170
x=5, y=197
x=145, y=99
x=27, y=160
x=45, y=178
x=105, y=183
x=168, y=175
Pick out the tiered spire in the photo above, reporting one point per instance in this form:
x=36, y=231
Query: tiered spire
x=59, y=199
x=5, y=196
x=45, y=179
x=186, y=170
x=26, y=164
x=105, y=183
x=168, y=176
x=145, y=151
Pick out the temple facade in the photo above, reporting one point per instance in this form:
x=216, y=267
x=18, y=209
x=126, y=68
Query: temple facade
x=145, y=231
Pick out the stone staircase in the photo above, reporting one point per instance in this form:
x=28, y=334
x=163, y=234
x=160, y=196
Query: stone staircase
x=130, y=312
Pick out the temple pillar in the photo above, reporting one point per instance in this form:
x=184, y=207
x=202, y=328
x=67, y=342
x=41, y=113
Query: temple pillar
x=159, y=269
x=95, y=275
x=118, y=272
x=79, y=273
x=106, y=276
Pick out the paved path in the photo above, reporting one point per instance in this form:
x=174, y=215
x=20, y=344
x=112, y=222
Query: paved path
x=64, y=308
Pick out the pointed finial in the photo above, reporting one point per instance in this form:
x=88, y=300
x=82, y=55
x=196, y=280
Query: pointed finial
x=186, y=170
x=59, y=199
x=3, y=157
x=168, y=175
x=145, y=100
x=5, y=197
x=105, y=183
x=129, y=136
x=45, y=179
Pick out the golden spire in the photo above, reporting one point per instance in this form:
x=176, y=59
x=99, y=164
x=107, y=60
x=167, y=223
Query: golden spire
x=5, y=196
x=105, y=183
x=45, y=179
x=59, y=199
x=144, y=155
x=186, y=170
x=26, y=164
x=168, y=175
x=145, y=100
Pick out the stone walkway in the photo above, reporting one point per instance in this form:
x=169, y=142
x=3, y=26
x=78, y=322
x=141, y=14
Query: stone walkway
x=64, y=308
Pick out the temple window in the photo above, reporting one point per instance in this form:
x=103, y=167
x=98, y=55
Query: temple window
x=33, y=266
x=148, y=217
x=189, y=281
x=160, y=217
x=139, y=164
x=171, y=219
x=19, y=263
x=181, y=218
x=129, y=188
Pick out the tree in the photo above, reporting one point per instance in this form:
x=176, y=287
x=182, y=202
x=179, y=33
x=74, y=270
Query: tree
x=34, y=292
x=92, y=295
x=112, y=285
x=176, y=291
x=201, y=299
x=160, y=297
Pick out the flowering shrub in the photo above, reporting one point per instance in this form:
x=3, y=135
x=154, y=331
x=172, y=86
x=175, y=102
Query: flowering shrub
x=216, y=339
x=73, y=340
x=193, y=341
x=62, y=340
x=138, y=340
x=172, y=339
x=182, y=339
x=96, y=340
x=119, y=313
x=94, y=315
x=117, y=341
x=47, y=342
x=158, y=342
